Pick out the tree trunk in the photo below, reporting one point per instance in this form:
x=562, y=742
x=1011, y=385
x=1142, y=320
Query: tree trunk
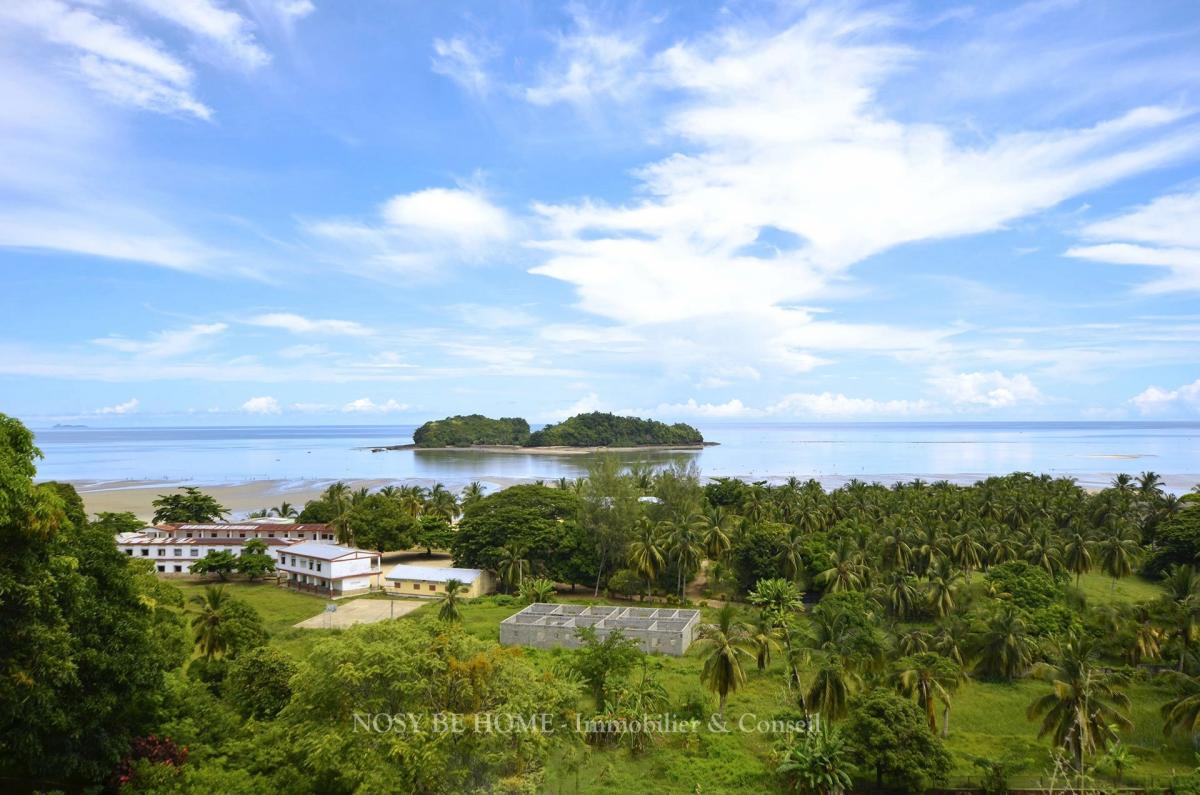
x=721, y=703
x=599, y=574
x=946, y=721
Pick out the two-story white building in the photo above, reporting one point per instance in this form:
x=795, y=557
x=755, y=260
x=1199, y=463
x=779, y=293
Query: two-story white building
x=175, y=554
x=256, y=529
x=328, y=568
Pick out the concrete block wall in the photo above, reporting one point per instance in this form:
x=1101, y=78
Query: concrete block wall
x=546, y=626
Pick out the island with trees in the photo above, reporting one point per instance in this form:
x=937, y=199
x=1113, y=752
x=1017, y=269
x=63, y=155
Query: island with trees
x=581, y=433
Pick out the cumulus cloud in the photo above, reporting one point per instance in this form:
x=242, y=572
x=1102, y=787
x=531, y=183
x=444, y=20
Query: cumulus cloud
x=1156, y=400
x=1164, y=234
x=987, y=389
x=298, y=324
x=423, y=230
x=261, y=405
x=169, y=343
x=128, y=407
x=829, y=404
x=368, y=406
x=731, y=408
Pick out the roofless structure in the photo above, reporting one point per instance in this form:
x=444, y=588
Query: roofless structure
x=546, y=626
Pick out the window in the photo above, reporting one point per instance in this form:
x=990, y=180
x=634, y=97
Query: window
x=318, y=567
x=179, y=553
x=162, y=553
x=162, y=568
x=145, y=553
x=178, y=569
x=241, y=535
x=194, y=552
x=213, y=535
x=129, y=552
x=189, y=535
x=270, y=535
x=416, y=586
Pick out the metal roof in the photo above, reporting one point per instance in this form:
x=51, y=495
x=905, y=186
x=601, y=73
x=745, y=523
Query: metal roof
x=324, y=551
x=432, y=574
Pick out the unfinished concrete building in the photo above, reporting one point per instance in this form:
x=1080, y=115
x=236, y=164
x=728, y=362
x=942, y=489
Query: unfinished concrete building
x=546, y=626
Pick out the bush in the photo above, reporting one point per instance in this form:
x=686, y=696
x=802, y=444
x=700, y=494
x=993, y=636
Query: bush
x=1026, y=586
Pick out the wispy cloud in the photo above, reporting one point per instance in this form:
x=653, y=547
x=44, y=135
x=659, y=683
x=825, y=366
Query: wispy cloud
x=464, y=60
x=298, y=324
x=164, y=344
x=128, y=407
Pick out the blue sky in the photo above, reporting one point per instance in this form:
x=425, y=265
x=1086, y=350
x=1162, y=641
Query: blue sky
x=284, y=211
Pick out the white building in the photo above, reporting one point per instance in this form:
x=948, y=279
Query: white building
x=328, y=568
x=174, y=554
x=406, y=580
x=254, y=529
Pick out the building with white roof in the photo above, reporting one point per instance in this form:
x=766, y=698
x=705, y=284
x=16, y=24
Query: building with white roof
x=328, y=568
x=175, y=554
x=405, y=580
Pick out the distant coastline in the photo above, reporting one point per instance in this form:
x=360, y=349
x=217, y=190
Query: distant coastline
x=547, y=450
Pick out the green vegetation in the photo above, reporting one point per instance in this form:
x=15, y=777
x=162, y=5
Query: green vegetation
x=471, y=429
x=599, y=429
x=191, y=506
x=942, y=634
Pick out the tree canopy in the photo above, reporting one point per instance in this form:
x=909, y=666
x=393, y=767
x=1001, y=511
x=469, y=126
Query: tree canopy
x=600, y=429
x=471, y=429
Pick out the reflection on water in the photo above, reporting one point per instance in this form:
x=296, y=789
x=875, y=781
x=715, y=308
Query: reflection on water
x=831, y=452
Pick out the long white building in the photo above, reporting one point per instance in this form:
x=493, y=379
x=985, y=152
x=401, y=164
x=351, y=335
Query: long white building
x=175, y=554
x=328, y=568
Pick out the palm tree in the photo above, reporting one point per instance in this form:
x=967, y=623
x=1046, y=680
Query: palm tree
x=901, y=594
x=339, y=496
x=1004, y=649
x=1117, y=551
x=791, y=554
x=715, y=533
x=782, y=601
x=472, y=494
x=1077, y=555
x=845, y=570
x=512, y=567
x=451, y=601
x=1085, y=708
x=722, y=646
x=685, y=547
x=930, y=678
x=1182, y=713
x=646, y=554
x=285, y=509
x=1183, y=606
x=764, y=635
x=209, y=621
x=943, y=582
x=832, y=688
x=441, y=502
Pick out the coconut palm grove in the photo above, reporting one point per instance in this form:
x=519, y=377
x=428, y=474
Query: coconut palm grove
x=1018, y=632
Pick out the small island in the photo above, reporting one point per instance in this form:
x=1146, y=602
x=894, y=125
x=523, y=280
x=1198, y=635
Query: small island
x=582, y=433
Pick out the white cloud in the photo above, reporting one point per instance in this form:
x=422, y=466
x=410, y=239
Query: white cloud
x=586, y=404
x=423, y=231
x=492, y=317
x=261, y=405
x=303, y=351
x=792, y=170
x=169, y=343
x=590, y=63
x=368, y=406
x=1156, y=400
x=230, y=32
x=1162, y=234
x=298, y=324
x=829, y=404
x=987, y=389
x=128, y=407
x=731, y=408
x=111, y=57
x=464, y=60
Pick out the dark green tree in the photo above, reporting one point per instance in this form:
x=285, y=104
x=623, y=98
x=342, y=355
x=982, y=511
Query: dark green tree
x=259, y=682
x=191, y=506
x=888, y=735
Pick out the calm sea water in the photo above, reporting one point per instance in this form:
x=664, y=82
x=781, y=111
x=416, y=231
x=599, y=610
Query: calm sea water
x=831, y=452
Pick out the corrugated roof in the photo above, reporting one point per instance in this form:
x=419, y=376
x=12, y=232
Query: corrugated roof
x=323, y=551
x=432, y=574
x=205, y=542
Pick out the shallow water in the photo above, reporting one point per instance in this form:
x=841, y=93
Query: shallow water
x=831, y=452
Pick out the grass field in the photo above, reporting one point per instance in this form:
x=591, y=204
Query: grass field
x=988, y=719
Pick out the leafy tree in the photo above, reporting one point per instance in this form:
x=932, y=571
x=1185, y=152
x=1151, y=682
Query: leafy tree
x=193, y=506
x=781, y=602
x=1177, y=542
x=381, y=524
x=722, y=646
x=599, y=662
x=888, y=735
x=450, y=602
x=541, y=521
x=254, y=562
x=259, y=682
x=1085, y=708
x=434, y=532
x=85, y=637
x=608, y=507
x=116, y=523
x=1025, y=585
x=220, y=562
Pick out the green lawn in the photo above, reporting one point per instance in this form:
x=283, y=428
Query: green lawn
x=280, y=608
x=1099, y=589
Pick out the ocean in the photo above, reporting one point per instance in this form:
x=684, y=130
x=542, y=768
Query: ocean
x=1091, y=452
